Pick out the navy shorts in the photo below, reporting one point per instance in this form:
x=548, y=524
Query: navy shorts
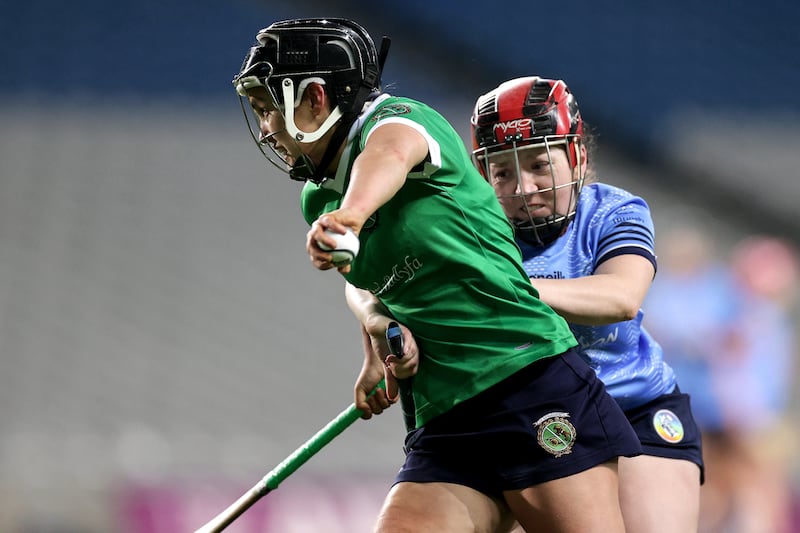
x=550, y=420
x=666, y=428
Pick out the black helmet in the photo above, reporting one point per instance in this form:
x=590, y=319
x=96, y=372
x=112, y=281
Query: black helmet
x=335, y=52
x=338, y=51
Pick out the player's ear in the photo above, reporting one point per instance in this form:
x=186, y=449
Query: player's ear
x=317, y=97
x=584, y=158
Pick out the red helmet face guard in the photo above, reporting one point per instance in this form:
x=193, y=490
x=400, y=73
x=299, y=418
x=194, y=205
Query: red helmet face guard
x=520, y=117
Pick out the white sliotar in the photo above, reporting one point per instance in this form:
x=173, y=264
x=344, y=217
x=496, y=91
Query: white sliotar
x=346, y=249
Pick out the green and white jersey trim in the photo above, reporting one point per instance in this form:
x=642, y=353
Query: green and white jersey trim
x=434, y=150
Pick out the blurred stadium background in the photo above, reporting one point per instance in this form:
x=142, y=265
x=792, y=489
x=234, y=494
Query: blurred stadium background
x=164, y=341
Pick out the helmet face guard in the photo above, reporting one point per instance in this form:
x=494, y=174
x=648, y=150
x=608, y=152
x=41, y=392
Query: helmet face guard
x=288, y=56
x=301, y=168
x=517, y=130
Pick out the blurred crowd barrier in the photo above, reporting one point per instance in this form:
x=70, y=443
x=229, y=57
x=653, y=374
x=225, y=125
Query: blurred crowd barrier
x=312, y=504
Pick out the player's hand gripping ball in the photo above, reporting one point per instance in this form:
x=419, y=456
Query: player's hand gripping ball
x=346, y=248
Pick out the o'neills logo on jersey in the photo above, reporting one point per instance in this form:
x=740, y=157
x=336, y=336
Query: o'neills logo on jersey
x=519, y=125
x=555, y=275
x=400, y=272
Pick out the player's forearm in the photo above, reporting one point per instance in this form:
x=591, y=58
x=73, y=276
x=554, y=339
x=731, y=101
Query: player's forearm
x=365, y=306
x=591, y=301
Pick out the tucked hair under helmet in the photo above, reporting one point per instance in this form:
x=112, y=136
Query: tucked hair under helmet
x=335, y=52
x=520, y=114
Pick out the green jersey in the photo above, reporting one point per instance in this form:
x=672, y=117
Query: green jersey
x=441, y=256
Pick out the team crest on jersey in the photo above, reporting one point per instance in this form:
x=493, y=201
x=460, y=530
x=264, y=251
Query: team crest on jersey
x=668, y=426
x=390, y=110
x=555, y=434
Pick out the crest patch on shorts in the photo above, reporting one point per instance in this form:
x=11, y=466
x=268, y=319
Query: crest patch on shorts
x=668, y=426
x=555, y=433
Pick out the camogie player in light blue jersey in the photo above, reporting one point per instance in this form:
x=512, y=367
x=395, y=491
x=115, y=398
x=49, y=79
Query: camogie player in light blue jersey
x=588, y=249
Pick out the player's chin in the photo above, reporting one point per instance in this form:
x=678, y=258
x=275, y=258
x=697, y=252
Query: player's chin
x=537, y=211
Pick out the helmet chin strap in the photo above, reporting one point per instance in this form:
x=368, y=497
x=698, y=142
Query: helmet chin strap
x=303, y=169
x=540, y=231
x=306, y=170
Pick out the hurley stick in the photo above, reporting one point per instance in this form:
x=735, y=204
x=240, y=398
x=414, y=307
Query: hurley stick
x=286, y=468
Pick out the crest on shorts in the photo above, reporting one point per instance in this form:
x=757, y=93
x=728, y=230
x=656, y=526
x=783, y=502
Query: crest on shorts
x=555, y=433
x=668, y=426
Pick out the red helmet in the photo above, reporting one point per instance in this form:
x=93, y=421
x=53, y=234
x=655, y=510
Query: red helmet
x=525, y=113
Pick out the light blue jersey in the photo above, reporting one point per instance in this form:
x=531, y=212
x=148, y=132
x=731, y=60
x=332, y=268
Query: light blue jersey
x=609, y=222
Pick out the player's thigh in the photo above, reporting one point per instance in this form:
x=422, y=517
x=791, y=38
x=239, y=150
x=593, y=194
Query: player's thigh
x=652, y=487
x=586, y=502
x=441, y=508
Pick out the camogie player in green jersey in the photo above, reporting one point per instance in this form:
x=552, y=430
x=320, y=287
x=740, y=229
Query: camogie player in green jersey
x=508, y=421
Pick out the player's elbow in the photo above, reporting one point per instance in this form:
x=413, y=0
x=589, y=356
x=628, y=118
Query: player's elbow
x=627, y=309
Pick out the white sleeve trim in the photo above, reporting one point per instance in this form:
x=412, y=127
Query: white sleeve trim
x=434, y=150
